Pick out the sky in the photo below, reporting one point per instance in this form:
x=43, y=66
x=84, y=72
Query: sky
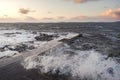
x=59, y=10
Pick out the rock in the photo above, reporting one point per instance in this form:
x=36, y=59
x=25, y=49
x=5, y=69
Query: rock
x=72, y=40
x=20, y=48
x=44, y=37
x=64, y=40
x=2, y=49
x=31, y=47
x=34, y=32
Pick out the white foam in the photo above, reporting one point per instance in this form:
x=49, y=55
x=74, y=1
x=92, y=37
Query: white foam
x=82, y=64
x=24, y=36
x=16, y=37
x=8, y=53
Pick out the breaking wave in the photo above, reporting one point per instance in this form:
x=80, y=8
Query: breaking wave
x=75, y=63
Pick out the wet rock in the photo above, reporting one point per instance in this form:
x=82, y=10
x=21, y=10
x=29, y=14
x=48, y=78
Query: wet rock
x=64, y=40
x=31, y=47
x=34, y=32
x=72, y=40
x=2, y=49
x=20, y=48
x=44, y=37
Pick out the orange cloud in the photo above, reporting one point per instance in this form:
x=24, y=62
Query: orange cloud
x=25, y=11
x=81, y=1
x=111, y=14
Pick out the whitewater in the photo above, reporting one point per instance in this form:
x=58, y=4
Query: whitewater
x=77, y=64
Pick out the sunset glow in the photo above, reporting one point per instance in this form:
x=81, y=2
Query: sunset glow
x=59, y=10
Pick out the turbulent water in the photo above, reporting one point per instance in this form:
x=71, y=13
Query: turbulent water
x=94, y=56
x=78, y=64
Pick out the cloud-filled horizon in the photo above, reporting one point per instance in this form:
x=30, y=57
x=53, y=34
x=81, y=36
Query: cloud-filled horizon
x=60, y=10
x=82, y=1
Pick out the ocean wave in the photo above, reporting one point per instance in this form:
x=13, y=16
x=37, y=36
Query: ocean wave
x=75, y=63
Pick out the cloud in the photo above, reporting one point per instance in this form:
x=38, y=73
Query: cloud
x=29, y=18
x=6, y=18
x=25, y=11
x=82, y=1
x=47, y=18
x=79, y=17
x=108, y=15
x=49, y=12
x=111, y=14
x=61, y=17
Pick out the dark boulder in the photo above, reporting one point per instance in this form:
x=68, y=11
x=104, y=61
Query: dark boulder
x=44, y=37
x=20, y=48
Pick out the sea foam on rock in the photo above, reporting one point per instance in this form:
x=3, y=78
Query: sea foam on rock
x=80, y=65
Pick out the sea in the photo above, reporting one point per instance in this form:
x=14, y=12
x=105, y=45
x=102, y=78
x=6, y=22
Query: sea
x=93, y=56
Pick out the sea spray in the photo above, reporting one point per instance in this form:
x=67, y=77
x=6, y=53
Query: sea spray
x=63, y=60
